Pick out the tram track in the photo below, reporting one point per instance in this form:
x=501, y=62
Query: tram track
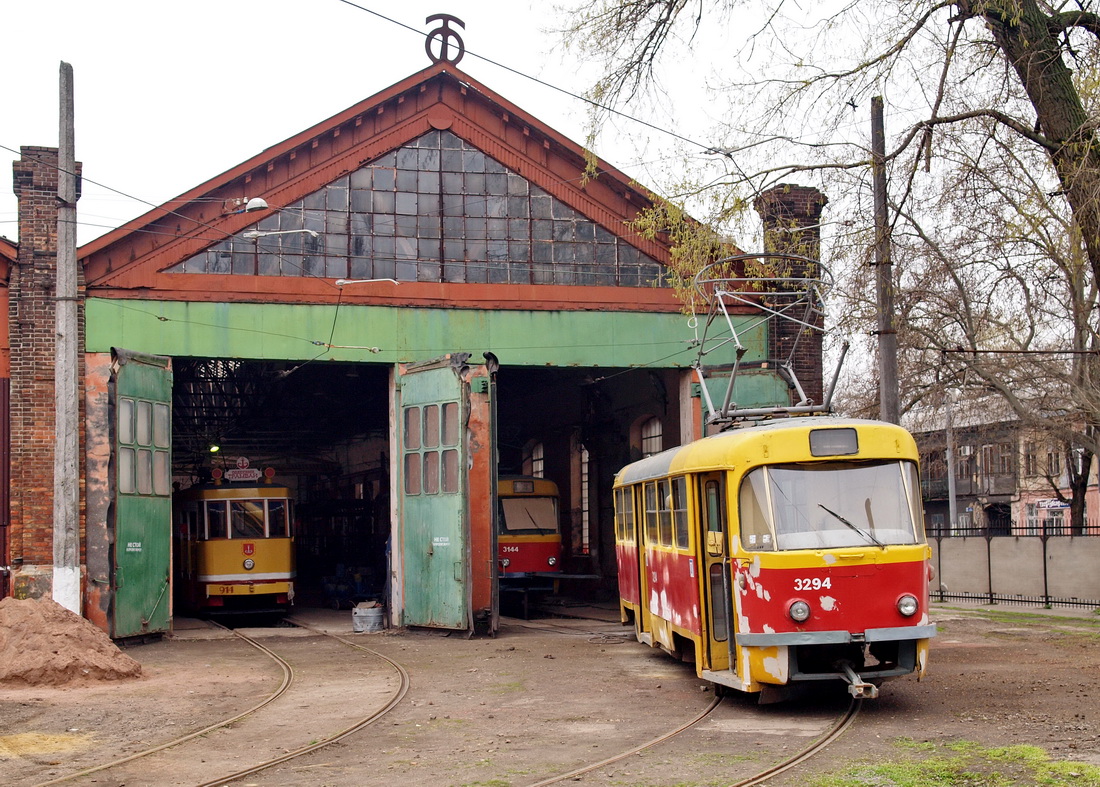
x=397, y=694
x=366, y=721
x=841, y=724
x=288, y=678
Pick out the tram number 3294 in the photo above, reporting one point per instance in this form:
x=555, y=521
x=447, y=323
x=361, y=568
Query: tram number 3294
x=814, y=583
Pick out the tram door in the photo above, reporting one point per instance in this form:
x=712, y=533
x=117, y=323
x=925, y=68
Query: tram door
x=718, y=588
x=140, y=514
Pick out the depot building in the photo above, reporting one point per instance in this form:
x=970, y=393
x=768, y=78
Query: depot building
x=433, y=249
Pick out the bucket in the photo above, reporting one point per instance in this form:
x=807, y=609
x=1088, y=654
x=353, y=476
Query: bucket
x=366, y=617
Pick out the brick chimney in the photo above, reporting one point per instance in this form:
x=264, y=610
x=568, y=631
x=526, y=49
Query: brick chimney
x=792, y=225
x=32, y=326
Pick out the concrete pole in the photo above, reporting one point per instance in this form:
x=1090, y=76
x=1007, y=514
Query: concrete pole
x=952, y=506
x=66, y=488
x=884, y=282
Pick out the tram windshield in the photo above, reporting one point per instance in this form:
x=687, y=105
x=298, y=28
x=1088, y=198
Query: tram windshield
x=829, y=505
x=528, y=516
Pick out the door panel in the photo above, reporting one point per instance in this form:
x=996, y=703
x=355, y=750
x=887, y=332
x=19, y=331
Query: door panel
x=140, y=393
x=431, y=435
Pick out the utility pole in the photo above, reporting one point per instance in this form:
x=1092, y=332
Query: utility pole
x=952, y=505
x=884, y=281
x=66, y=487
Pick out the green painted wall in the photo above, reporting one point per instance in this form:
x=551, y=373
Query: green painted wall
x=299, y=332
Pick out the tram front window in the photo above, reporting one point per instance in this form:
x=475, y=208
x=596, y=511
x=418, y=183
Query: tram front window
x=247, y=518
x=528, y=515
x=830, y=505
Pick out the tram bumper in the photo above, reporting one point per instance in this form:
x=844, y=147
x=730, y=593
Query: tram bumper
x=862, y=660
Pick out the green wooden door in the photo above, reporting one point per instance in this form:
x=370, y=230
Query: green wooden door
x=431, y=430
x=140, y=517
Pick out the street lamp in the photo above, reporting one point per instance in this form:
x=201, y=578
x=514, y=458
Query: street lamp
x=342, y=282
x=255, y=235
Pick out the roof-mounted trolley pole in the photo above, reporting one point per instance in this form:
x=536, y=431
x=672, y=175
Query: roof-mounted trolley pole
x=768, y=283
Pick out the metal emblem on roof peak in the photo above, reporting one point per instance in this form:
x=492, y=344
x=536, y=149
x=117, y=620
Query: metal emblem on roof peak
x=444, y=34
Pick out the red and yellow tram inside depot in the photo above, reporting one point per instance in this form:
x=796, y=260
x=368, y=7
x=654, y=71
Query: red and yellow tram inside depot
x=780, y=552
x=529, y=534
x=234, y=548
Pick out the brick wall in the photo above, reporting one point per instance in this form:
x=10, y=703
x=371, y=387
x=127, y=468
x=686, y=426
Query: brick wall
x=792, y=216
x=33, y=342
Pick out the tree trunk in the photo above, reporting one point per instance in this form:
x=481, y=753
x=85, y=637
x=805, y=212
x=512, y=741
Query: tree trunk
x=1025, y=36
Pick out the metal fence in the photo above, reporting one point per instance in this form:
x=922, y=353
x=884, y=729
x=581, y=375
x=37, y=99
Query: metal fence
x=1042, y=569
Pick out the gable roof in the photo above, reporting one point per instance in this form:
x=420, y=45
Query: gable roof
x=131, y=261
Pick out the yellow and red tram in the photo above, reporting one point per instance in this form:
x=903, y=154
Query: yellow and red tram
x=529, y=532
x=780, y=552
x=234, y=548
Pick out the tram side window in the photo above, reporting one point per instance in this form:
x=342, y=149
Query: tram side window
x=679, y=512
x=247, y=517
x=624, y=515
x=665, y=521
x=651, y=513
x=216, y=520
x=756, y=531
x=278, y=519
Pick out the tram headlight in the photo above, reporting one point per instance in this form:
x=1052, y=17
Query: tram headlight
x=249, y=564
x=553, y=561
x=799, y=611
x=907, y=605
x=505, y=562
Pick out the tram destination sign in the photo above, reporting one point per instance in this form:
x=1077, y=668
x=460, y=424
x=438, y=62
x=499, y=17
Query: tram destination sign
x=242, y=472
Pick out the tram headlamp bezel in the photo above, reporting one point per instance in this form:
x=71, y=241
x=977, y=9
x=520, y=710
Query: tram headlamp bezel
x=551, y=561
x=505, y=562
x=799, y=611
x=249, y=564
x=908, y=605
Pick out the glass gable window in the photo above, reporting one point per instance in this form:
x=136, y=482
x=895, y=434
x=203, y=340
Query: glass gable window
x=435, y=210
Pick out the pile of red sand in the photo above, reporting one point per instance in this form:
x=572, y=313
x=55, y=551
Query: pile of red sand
x=44, y=644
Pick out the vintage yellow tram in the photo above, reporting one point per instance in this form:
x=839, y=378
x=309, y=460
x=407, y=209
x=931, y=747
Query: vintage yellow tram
x=234, y=548
x=780, y=552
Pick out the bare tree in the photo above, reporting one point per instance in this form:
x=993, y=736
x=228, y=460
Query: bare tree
x=995, y=173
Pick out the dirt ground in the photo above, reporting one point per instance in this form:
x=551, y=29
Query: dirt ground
x=538, y=700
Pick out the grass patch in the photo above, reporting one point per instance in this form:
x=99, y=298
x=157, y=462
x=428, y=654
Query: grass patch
x=964, y=764
x=1086, y=618
x=721, y=759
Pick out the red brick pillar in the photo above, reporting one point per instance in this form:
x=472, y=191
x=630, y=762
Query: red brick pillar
x=792, y=225
x=31, y=320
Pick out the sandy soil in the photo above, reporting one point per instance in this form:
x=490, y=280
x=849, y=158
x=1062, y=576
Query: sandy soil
x=536, y=701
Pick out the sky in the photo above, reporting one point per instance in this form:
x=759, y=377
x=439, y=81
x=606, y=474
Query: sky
x=169, y=95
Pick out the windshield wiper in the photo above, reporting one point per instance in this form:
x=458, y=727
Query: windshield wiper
x=868, y=536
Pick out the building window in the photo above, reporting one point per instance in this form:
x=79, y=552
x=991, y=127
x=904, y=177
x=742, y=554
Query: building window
x=1054, y=462
x=964, y=465
x=1031, y=460
x=1054, y=522
x=534, y=462
x=652, y=437
x=585, y=513
x=1032, y=520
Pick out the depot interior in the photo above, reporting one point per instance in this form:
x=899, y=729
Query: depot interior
x=324, y=429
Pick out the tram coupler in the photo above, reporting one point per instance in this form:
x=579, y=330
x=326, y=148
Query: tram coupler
x=857, y=686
